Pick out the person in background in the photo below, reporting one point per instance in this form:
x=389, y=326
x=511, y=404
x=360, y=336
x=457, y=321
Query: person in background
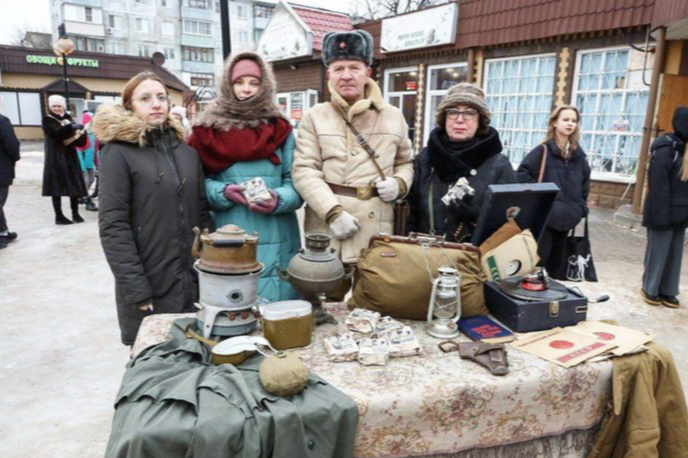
x=61, y=172
x=666, y=214
x=180, y=114
x=342, y=184
x=462, y=145
x=566, y=166
x=9, y=155
x=152, y=196
x=87, y=159
x=242, y=136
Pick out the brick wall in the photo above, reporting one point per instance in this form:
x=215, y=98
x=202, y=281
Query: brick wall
x=306, y=76
x=609, y=195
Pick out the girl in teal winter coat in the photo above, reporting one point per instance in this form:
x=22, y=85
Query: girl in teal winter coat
x=241, y=136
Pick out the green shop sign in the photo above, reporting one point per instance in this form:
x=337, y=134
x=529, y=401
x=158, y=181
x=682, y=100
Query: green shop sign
x=71, y=61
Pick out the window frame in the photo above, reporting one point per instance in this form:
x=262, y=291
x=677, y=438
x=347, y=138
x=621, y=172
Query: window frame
x=429, y=93
x=613, y=177
x=534, y=129
x=198, y=27
x=6, y=93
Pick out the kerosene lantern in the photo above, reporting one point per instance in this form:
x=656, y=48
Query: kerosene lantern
x=444, y=309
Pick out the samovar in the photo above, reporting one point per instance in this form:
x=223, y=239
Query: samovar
x=315, y=272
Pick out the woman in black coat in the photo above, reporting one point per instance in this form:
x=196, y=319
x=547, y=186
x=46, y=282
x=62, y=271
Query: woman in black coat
x=666, y=214
x=566, y=166
x=62, y=172
x=463, y=145
x=152, y=196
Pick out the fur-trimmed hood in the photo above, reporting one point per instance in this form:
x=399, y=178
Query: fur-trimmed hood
x=227, y=112
x=114, y=123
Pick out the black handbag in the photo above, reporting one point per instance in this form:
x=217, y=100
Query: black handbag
x=578, y=265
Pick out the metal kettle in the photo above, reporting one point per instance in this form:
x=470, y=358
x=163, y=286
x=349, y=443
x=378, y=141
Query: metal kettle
x=229, y=250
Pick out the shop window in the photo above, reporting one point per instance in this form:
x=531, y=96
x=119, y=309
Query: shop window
x=22, y=108
x=519, y=94
x=295, y=104
x=612, y=99
x=401, y=90
x=440, y=79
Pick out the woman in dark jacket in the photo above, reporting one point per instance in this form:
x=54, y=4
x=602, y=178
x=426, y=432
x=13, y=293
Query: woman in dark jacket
x=152, y=195
x=463, y=145
x=566, y=166
x=62, y=172
x=666, y=214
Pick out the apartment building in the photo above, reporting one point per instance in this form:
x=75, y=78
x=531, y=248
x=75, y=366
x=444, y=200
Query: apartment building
x=186, y=32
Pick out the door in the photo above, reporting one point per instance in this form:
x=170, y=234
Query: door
x=673, y=95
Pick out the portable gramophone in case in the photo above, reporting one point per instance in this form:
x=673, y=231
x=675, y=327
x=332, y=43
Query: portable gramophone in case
x=529, y=302
x=534, y=303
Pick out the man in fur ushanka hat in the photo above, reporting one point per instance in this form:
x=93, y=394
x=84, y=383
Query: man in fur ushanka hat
x=348, y=192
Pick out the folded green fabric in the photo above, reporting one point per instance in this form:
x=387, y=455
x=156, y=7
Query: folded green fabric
x=174, y=402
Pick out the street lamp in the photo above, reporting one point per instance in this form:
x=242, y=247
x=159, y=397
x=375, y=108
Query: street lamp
x=63, y=48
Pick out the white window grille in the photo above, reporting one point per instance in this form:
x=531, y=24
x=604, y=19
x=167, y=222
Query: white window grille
x=198, y=27
x=612, y=99
x=440, y=79
x=519, y=93
x=401, y=90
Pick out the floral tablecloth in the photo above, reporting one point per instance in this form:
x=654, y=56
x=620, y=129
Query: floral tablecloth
x=439, y=404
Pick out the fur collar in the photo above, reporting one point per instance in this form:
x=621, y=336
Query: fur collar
x=113, y=123
x=227, y=112
x=373, y=97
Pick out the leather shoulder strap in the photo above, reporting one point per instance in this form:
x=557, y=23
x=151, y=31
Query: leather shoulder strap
x=359, y=138
x=543, y=162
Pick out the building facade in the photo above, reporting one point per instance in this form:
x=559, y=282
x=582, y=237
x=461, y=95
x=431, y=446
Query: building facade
x=531, y=56
x=292, y=43
x=28, y=76
x=186, y=32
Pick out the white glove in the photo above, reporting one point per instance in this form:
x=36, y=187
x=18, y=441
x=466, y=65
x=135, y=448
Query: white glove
x=345, y=226
x=388, y=189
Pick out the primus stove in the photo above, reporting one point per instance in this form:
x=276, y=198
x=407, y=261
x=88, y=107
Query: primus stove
x=228, y=275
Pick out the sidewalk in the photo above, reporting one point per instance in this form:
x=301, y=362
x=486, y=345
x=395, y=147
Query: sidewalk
x=62, y=358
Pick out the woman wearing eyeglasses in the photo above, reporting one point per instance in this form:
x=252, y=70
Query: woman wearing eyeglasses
x=463, y=148
x=152, y=194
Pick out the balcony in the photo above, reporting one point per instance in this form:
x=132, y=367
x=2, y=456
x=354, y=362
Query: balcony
x=85, y=28
x=198, y=13
x=91, y=3
x=198, y=41
x=198, y=67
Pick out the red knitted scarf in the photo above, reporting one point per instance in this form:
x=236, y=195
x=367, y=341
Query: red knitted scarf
x=220, y=149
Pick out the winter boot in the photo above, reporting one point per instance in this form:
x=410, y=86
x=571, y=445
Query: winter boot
x=62, y=220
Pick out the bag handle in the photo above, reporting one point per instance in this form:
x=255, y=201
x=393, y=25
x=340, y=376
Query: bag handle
x=359, y=138
x=543, y=162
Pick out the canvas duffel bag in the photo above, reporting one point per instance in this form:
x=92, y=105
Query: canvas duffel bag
x=395, y=275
